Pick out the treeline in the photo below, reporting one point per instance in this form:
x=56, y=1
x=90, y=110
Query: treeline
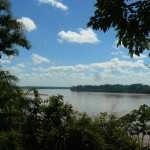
x=134, y=88
x=38, y=124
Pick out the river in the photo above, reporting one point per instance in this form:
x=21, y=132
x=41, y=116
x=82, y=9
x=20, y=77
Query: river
x=95, y=102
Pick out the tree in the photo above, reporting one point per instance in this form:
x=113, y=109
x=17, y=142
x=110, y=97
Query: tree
x=11, y=32
x=13, y=105
x=114, y=133
x=138, y=123
x=131, y=21
x=12, y=102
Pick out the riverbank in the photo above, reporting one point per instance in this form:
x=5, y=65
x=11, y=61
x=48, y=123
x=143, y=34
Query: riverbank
x=134, y=88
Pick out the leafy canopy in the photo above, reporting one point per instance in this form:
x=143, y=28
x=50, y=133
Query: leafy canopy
x=11, y=31
x=131, y=21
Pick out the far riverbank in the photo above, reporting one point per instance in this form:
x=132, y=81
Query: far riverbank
x=117, y=88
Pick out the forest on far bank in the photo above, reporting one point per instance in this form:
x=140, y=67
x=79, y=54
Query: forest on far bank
x=117, y=88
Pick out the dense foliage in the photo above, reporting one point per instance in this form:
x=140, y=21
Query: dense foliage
x=138, y=124
x=12, y=110
x=11, y=31
x=34, y=123
x=130, y=19
x=134, y=88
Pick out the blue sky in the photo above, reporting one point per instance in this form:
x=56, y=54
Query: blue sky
x=65, y=52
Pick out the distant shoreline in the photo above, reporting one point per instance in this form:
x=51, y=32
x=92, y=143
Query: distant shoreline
x=117, y=88
x=107, y=88
x=32, y=94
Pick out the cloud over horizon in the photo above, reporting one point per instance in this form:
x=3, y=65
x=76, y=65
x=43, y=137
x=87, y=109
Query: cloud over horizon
x=81, y=37
x=55, y=3
x=115, y=71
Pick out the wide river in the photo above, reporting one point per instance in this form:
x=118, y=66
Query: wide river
x=95, y=102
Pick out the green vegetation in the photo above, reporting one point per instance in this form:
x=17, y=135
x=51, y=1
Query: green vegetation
x=33, y=123
x=130, y=19
x=37, y=124
x=11, y=32
x=137, y=121
x=134, y=88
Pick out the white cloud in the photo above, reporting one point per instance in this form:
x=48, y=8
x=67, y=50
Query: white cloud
x=114, y=53
x=120, y=52
x=21, y=66
x=115, y=71
x=55, y=3
x=15, y=70
x=28, y=24
x=135, y=56
x=115, y=65
x=83, y=36
x=142, y=56
x=111, y=72
x=37, y=59
x=125, y=56
x=4, y=61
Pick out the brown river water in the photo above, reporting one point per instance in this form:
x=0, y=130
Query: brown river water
x=95, y=102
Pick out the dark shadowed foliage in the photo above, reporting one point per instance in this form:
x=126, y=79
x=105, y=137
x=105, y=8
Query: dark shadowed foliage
x=11, y=32
x=130, y=19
